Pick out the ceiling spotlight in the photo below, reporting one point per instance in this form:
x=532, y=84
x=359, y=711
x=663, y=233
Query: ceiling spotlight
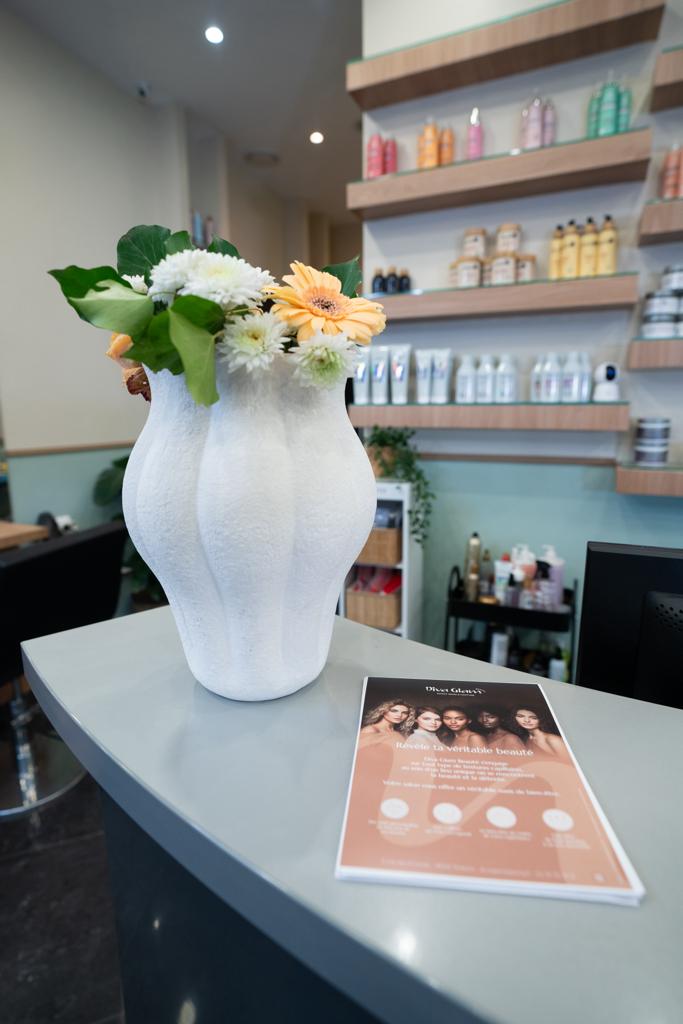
x=214, y=34
x=316, y=138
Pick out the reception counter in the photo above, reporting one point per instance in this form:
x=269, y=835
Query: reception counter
x=223, y=821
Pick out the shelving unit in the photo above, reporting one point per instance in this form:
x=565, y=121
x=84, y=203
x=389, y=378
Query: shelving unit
x=618, y=291
x=661, y=221
x=667, y=84
x=410, y=564
x=551, y=34
x=655, y=354
x=664, y=483
x=612, y=416
x=578, y=164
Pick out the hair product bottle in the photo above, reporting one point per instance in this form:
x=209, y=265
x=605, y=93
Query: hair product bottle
x=608, y=118
x=379, y=281
x=555, y=265
x=588, y=250
x=466, y=381
x=390, y=156
x=593, y=114
x=392, y=281
x=475, y=136
x=607, y=247
x=570, y=388
x=374, y=157
x=506, y=388
x=486, y=373
x=624, y=110
x=404, y=281
x=570, y=251
x=551, y=378
x=549, y=124
x=446, y=146
x=671, y=172
x=524, y=127
x=430, y=153
x=535, y=380
x=534, y=129
x=473, y=554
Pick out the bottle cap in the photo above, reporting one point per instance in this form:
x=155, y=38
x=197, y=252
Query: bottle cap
x=391, y=270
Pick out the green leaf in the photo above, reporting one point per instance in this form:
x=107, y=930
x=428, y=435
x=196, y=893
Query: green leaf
x=142, y=248
x=196, y=344
x=154, y=347
x=178, y=242
x=115, y=307
x=76, y=281
x=220, y=245
x=349, y=274
x=108, y=485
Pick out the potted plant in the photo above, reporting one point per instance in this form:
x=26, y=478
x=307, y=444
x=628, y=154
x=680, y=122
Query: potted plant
x=391, y=454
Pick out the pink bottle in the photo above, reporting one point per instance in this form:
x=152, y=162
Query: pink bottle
x=549, y=123
x=475, y=136
x=375, y=157
x=390, y=156
x=534, y=125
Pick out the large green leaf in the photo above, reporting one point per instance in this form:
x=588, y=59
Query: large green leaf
x=179, y=241
x=115, y=307
x=76, y=281
x=193, y=322
x=154, y=347
x=108, y=485
x=349, y=274
x=220, y=245
x=142, y=248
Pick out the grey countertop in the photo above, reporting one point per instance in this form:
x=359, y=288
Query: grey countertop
x=250, y=799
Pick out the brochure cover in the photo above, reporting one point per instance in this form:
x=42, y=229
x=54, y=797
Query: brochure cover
x=473, y=786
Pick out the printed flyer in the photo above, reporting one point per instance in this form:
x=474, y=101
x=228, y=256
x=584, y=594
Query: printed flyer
x=473, y=786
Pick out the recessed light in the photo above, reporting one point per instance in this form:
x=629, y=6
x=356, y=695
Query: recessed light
x=316, y=138
x=214, y=34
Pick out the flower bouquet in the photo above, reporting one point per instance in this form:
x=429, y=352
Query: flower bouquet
x=248, y=492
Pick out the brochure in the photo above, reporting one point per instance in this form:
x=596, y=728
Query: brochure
x=474, y=786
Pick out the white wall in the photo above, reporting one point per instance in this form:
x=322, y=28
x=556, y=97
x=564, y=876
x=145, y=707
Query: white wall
x=428, y=242
x=81, y=163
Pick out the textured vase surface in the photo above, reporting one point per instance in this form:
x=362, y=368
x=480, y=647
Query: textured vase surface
x=250, y=513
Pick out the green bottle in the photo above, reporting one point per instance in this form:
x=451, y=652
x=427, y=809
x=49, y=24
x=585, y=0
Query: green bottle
x=593, y=114
x=608, y=118
x=625, y=105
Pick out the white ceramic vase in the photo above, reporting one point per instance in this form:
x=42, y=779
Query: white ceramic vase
x=250, y=513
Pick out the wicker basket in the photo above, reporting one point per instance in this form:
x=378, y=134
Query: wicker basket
x=383, y=547
x=380, y=610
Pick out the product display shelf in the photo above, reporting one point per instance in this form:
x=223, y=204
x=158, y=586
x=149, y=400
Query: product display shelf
x=618, y=291
x=655, y=354
x=667, y=84
x=581, y=163
x=663, y=482
x=598, y=416
x=550, y=34
x=661, y=221
x=410, y=564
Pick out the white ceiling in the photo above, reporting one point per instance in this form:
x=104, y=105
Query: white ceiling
x=277, y=76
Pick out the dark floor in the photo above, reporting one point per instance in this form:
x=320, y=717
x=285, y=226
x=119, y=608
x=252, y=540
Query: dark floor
x=58, y=959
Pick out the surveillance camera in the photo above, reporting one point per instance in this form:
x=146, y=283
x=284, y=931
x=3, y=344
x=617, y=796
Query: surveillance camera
x=142, y=90
x=606, y=387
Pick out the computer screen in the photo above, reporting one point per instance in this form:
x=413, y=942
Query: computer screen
x=631, y=639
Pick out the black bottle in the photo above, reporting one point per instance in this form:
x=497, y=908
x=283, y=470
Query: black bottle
x=404, y=281
x=379, y=282
x=392, y=281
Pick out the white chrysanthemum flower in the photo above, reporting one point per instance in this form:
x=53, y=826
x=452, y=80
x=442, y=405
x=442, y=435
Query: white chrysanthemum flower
x=252, y=341
x=324, y=360
x=223, y=279
x=137, y=282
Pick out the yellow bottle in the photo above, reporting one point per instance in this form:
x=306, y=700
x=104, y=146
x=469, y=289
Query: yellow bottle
x=570, y=252
x=555, y=268
x=607, y=247
x=421, y=149
x=588, y=250
x=446, y=146
x=430, y=145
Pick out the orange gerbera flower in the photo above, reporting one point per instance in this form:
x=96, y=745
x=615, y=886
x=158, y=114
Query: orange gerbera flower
x=312, y=302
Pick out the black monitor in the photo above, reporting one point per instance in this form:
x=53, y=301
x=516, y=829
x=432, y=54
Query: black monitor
x=631, y=640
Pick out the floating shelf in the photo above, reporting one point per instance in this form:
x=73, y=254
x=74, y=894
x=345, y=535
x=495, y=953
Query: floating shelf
x=522, y=416
x=655, y=354
x=567, y=165
x=615, y=292
x=661, y=221
x=551, y=34
x=665, y=483
x=667, y=85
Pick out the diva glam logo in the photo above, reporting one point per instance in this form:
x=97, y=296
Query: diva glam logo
x=460, y=690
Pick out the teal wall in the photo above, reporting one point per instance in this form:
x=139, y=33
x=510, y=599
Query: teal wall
x=509, y=502
x=60, y=483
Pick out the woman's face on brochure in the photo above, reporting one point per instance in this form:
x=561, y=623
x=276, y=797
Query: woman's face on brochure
x=429, y=721
x=489, y=720
x=396, y=714
x=527, y=719
x=456, y=721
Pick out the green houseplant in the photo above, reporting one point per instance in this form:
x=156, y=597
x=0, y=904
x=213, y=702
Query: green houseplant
x=392, y=455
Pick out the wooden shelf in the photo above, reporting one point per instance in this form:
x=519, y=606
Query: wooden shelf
x=589, y=416
x=551, y=34
x=655, y=354
x=615, y=292
x=661, y=222
x=667, y=85
x=568, y=165
x=665, y=483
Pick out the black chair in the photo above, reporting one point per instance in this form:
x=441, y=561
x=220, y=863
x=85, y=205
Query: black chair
x=59, y=584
